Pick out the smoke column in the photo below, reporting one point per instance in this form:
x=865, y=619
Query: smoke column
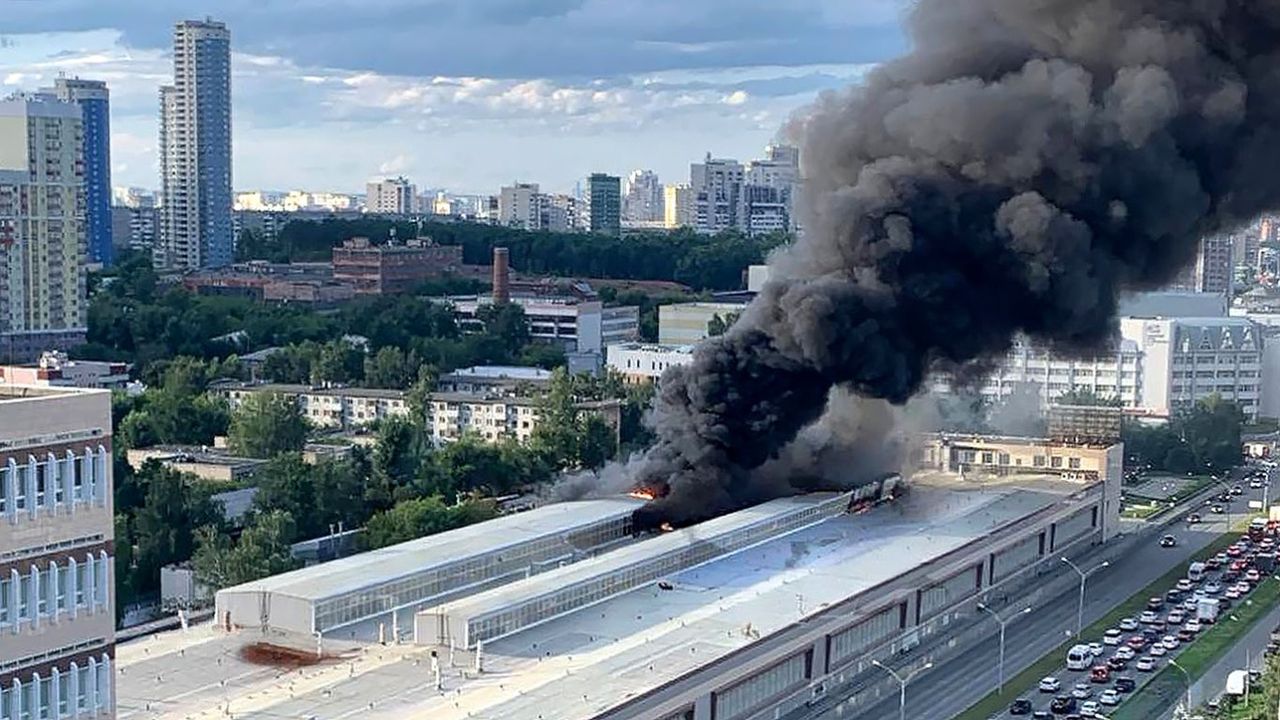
x=1026, y=163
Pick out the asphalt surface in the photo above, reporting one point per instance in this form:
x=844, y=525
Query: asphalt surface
x=952, y=687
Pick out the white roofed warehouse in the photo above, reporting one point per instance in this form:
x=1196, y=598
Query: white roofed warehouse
x=333, y=595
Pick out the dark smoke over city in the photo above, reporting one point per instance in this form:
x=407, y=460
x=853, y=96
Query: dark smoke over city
x=1025, y=164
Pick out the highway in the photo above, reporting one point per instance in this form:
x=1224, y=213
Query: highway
x=952, y=687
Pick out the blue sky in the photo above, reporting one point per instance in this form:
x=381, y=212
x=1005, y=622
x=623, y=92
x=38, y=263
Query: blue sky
x=463, y=94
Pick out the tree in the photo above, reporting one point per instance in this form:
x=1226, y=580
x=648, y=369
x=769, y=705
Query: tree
x=401, y=447
x=164, y=527
x=262, y=550
x=419, y=517
x=506, y=323
x=718, y=325
x=338, y=362
x=267, y=424
x=1203, y=440
x=392, y=368
x=1086, y=397
x=597, y=442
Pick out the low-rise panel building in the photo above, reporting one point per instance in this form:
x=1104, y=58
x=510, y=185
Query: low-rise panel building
x=644, y=363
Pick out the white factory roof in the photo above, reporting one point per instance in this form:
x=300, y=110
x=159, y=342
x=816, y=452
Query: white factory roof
x=630, y=555
x=580, y=664
x=336, y=578
x=502, y=372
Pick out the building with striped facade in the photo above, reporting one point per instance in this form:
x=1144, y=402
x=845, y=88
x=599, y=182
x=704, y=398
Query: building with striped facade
x=57, y=611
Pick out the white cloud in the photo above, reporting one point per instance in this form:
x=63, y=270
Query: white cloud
x=737, y=97
x=395, y=165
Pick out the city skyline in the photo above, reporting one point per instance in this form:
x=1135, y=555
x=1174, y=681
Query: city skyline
x=668, y=89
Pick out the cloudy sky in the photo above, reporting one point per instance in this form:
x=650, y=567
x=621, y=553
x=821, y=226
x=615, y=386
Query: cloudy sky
x=463, y=94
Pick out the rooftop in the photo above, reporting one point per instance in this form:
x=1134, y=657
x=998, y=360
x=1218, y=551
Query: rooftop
x=501, y=372
x=377, y=566
x=586, y=661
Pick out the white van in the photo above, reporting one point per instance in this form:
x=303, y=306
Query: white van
x=1195, y=571
x=1079, y=657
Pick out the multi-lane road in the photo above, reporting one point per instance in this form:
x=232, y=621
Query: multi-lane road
x=951, y=688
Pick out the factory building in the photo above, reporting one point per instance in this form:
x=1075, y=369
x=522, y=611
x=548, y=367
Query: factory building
x=760, y=613
x=344, y=592
x=509, y=609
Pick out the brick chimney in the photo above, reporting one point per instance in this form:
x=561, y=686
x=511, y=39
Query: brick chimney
x=501, y=275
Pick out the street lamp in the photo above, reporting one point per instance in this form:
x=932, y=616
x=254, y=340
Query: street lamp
x=1187, y=675
x=1083, y=576
x=902, y=684
x=1002, y=622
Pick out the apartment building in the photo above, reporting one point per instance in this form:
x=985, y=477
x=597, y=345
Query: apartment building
x=450, y=415
x=604, y=204
x=43, y=276
x=94, y=101
x=57, y=610
x=195, y=149
x=393, y=196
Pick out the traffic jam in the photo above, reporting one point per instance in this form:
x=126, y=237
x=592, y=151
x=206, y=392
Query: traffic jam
x=1099, y=674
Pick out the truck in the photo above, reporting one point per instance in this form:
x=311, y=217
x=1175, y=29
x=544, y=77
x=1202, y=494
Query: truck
x=1207, y=610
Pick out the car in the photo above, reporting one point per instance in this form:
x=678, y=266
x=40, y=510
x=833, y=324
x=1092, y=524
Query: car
x=1111, y=637
x=1100, y=674
x=1109, y=697
x=1128, y=624
x=1150, y=633
x=1049, y=684
x=1230, y=576
x=1185, y=585
x=1193, y=519
x=1124, y=652
x=1217, y=510
x=1212, y=588
x=1237, y=490
x=1137, y=642
x=1185, y=635
x=1252, y=575
x=1081, y=690
x=1116, y=663
x=1147, y=617
x=1212, y=563
x=1231, y=593
x=1062, y=705
x=1041, y=715
x=1234, y=551
x=1021, y=706
x=1189, y=604
x=1169, y=642
x=1145, y=664
x=1126, y=684
x=1168, y=541
x=1158, y=650
x=1242, y=587
x=1237, y=566
x=1096, y=649
x=1175, y=617
x=1256, y=484
x=1222, y=558
x=1155, y=603
x=1192, y=625
x=1089, y=708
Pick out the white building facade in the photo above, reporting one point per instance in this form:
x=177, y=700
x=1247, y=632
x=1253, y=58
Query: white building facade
x=392, y=196
x=1185, y=360
x=1117, y=374
x=639, y=363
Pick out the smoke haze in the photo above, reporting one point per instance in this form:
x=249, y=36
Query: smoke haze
x=1028, y=162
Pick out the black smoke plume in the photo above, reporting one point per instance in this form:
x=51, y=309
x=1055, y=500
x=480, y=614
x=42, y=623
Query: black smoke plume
x=1025, y=164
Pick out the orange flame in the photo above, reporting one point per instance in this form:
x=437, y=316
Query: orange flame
x=642, y=494
x=666, y=527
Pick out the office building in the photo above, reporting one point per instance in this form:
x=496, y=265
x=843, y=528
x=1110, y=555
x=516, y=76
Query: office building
x=690, y=323
x=677, y=206
x=195, y=149
x=604, y=204
x=1185, y=360
x=95, y=106
x=716, y=185
x=391, y=196
x=42, y=227
x=1113, y=374
x=578, y=325
x=643, y=200
x=639, y=363
x=57, y=609
x=55, y=369
x=757, y=198
x=1212, y=270
x=386, y=269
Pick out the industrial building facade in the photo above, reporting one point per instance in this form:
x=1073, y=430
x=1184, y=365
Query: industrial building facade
x=57, y=614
